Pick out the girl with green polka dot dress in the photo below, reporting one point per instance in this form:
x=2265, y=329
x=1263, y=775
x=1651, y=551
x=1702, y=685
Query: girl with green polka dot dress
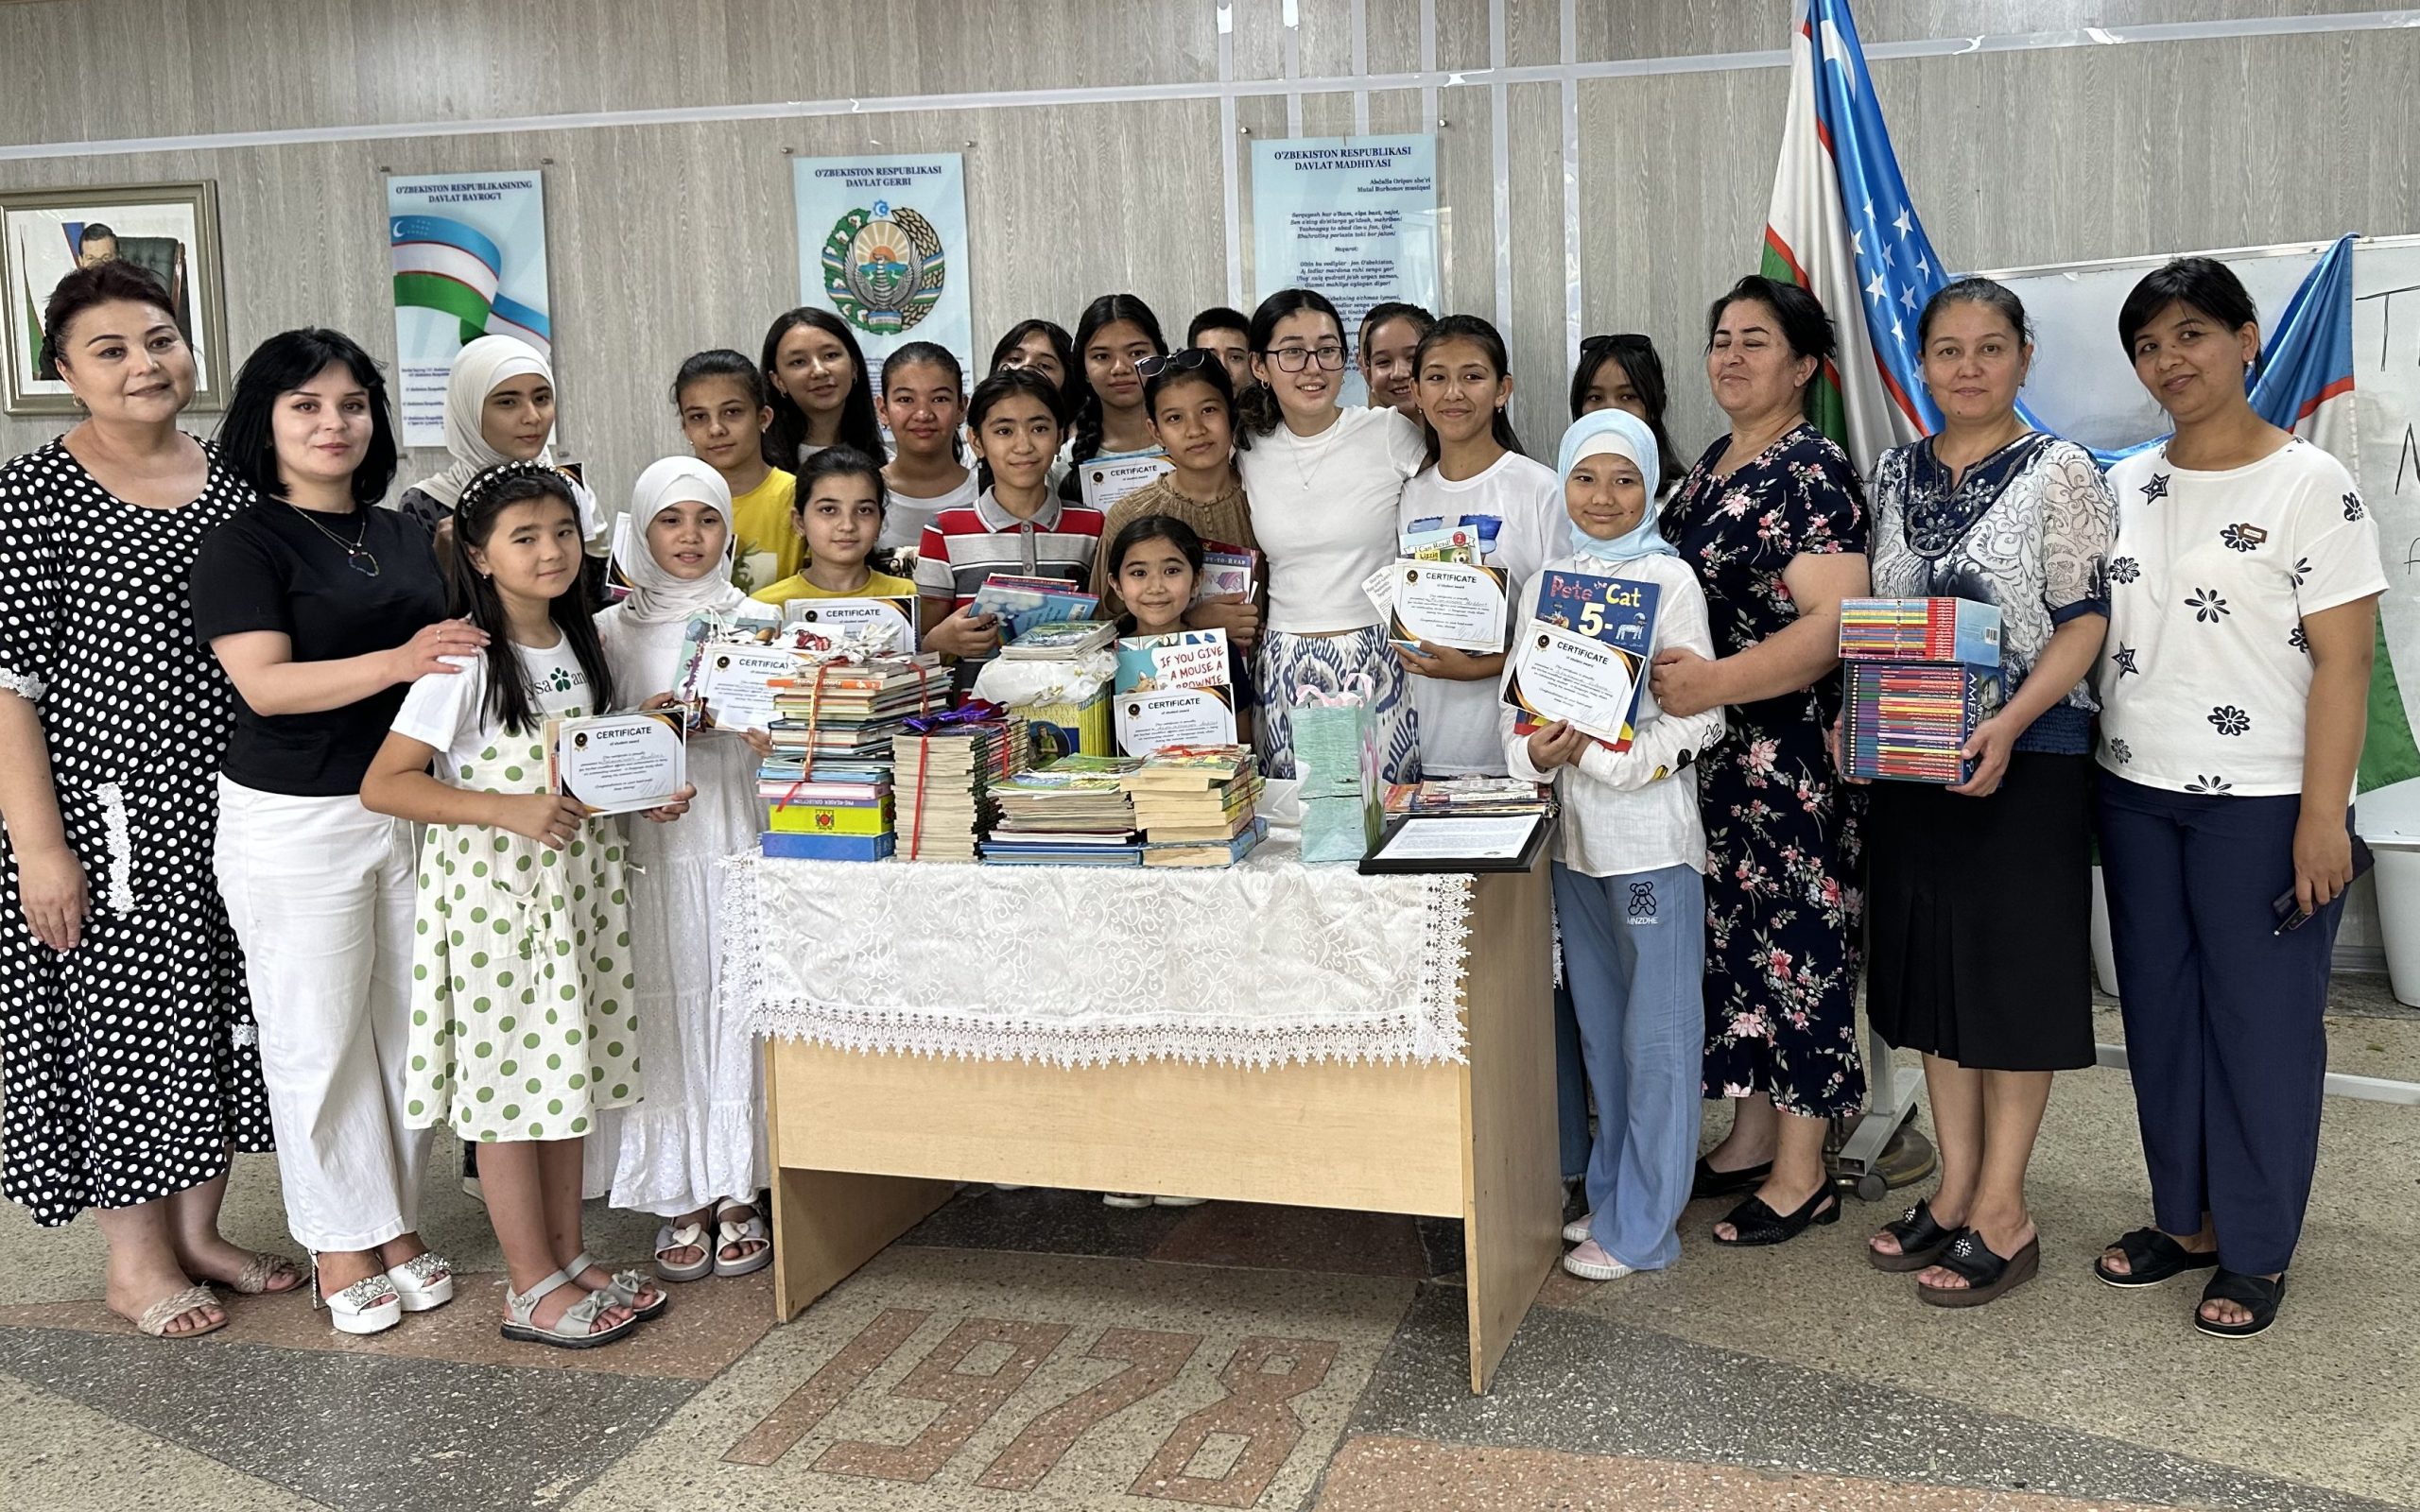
x=523, y=1023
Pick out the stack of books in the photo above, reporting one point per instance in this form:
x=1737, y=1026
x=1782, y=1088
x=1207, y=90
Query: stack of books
x=1059, y=639
x=1073, y=812
x=942, y=780
x=1920, y=675
x=828, y=780
x=1194, y=805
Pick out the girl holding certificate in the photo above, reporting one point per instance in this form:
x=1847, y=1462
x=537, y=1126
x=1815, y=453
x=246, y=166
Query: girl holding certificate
x=1476, y=479
x=689, y=1154
x=524, y=1021
x=1117, y=335
x=1325, y=484
x=1628, y=889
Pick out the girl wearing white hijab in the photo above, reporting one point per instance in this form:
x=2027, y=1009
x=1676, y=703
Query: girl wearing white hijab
x=1628, y=891
x=499, y=408
x=690, y=1153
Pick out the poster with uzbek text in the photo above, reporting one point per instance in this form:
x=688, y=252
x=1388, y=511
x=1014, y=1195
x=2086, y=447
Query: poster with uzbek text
x=882, y=244
x=470, y=258
x=1354, y=218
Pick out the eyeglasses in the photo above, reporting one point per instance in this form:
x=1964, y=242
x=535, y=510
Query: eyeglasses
x=1623, y=341
x=1175, y=362
x=1294, y=359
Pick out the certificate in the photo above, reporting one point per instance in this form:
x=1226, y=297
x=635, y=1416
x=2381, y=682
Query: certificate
x=1558, y=674
x=618, y=764
x=1161, y=717
x=734, y=678
x=1448, y=603
x=877, y=626
x=1461, y=839
x=1107, y=479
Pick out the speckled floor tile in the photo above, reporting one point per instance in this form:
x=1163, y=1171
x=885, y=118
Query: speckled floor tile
x=1371, y=1474
x=362, y=1433
x=1046, y=1221
x=709, y=1325
x=2327, y=1397
x=950, y=1380
x=1266, y=1236
x=1578, y=1384
x=64, y=1457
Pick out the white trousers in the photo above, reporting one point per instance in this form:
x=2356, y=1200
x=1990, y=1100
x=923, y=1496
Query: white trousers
x=320, y=892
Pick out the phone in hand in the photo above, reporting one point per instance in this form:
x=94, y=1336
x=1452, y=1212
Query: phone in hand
x=2290, y=910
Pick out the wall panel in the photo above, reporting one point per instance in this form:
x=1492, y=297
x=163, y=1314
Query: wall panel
x=670, y=238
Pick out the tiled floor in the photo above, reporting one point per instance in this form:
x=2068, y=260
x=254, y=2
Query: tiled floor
x=1035, y=1349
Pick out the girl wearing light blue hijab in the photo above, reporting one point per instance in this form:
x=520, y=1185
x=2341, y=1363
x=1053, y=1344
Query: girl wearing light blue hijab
x=1628, y=887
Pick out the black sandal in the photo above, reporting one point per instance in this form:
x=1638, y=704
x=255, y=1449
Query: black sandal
x=1988, y=1275
x=1757, y=1225
x=2257, y=1294
x=2152, y=1258
x=1921, y=1238
x=1709, y=1182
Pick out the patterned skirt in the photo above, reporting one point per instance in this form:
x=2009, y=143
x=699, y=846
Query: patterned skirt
x=1335, y=663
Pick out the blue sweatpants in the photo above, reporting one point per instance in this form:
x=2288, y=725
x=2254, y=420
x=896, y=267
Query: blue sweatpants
x=2223, y=1027
x=1633, y=954
x=1570, y=1088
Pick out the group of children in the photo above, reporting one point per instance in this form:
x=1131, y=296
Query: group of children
x=565, y=974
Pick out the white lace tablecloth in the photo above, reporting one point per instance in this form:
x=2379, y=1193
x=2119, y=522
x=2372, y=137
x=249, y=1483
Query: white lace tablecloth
x=1257, y=965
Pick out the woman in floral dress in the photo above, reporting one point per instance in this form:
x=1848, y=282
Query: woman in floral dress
x=1772, y=518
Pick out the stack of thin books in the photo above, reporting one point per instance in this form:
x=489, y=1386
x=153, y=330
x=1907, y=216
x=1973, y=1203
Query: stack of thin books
x=943, y=781
x=1060, y=639
x=828, y=780
x=1473, y=795
x=1195, y=806
x=1074, y=811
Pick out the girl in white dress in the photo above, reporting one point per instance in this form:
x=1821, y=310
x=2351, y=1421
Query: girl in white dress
x=692, y=1153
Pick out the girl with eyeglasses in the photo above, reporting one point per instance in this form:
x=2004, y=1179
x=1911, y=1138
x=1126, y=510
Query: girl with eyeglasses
x=1324, y=483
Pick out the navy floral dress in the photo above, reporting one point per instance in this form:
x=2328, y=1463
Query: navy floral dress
x=1781, y=835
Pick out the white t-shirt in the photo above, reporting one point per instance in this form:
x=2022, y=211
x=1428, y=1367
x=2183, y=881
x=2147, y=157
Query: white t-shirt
x=1516, y=506
x=1636, y=810
x=1323, y=508
x=446, y=712
x=2204, y=673
x=905, y=519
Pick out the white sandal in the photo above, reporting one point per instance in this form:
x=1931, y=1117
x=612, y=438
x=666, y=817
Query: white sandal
x=687, y=1236
x=623, y=1286
x=575, y=1330
x=424, y=1282
x=369, y=1305
x=154, y=1320
x=751, y=1231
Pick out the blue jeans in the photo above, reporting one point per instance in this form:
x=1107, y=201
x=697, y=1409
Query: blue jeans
x=1633, y=954
x=1570, y=1088
x=2223, y=1027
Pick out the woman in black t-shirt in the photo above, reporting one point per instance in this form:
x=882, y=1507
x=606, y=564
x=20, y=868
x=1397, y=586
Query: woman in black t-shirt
x=323, y=608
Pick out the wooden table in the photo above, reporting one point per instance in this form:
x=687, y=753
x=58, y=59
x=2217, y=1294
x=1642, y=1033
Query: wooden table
x=865, y=1146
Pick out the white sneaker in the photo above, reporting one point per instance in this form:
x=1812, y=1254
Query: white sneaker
x=1591, y=1264
x=1576, y=1232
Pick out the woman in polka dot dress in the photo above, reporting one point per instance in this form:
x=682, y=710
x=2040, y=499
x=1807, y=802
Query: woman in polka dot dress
x=523, y=1025
x=126, y=1036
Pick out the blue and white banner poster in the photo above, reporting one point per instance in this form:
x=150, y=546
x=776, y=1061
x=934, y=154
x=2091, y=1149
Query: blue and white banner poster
x=1354, y=218
x=470, y=255
x=882, y=244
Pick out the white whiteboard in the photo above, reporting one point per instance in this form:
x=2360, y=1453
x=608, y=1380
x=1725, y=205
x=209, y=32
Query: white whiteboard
x=2083, y=387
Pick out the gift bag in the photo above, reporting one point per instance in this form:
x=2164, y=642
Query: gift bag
x=1336, y=757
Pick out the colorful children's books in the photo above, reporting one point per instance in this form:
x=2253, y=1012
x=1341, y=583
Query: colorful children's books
x=1227, y=572
x=1059, y=638
x=1912, y=720
x=1920, y=629
x=828, y=847
x=1440, y=796
x=1022, y=603
x=1222, y=852
x=1173, y=689
x=1551, y=677
x=1074, y=810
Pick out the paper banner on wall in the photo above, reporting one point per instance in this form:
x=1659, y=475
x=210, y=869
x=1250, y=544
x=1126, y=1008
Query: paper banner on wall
x=1354, y=218
x=882, y=244
x=470, y=260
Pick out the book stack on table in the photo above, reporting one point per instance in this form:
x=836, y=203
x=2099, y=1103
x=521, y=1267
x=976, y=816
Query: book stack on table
x=1920, y=675
x=1449, y=797
x=1073, y=812
x=1194, y=804
x=943, y=780
x=829, y=776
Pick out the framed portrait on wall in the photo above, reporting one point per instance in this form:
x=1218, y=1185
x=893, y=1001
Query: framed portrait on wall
x=168, y=230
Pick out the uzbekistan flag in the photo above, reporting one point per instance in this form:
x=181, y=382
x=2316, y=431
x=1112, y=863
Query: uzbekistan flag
x=1842, y=227
x=445, y=265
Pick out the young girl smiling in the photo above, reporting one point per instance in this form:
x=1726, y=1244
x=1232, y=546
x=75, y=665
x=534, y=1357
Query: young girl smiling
x=923, y=401
x=815, y=378
x=720, y=397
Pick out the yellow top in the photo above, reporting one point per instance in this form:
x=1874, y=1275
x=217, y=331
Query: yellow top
x=760, y=519
x=879, y=584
